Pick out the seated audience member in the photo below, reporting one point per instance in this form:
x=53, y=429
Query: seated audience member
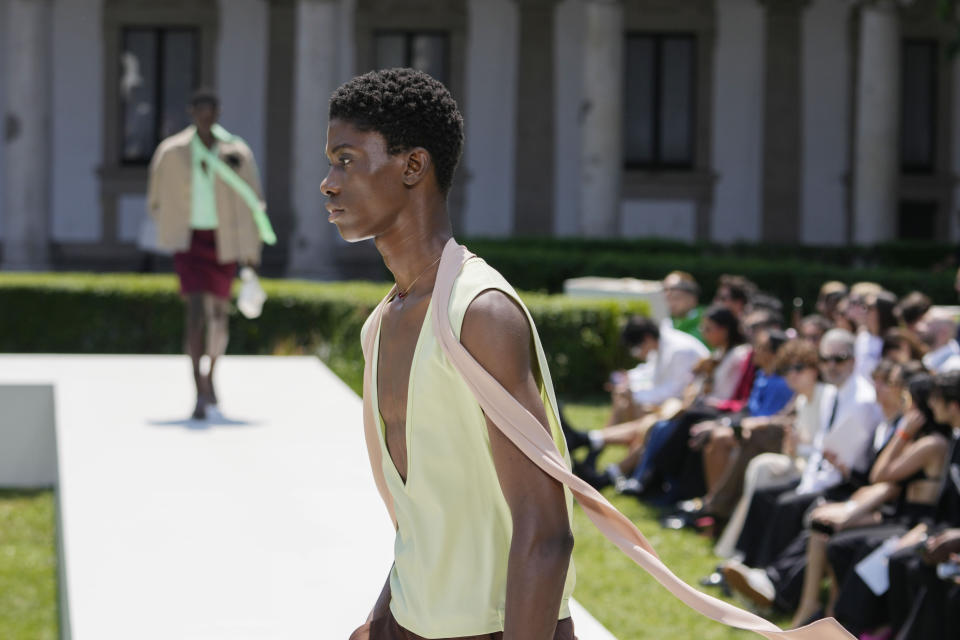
x=920, y=604
x=730, y=355
x=831, y=293
x=768, y=397
x=913, y=604
x=878, y=319
x=856, y=308
x=911, y=308
x=774, y=452
x=759, y=318
x=683, y=296
x=734, y=293
x=717, y=379
x=812, y=328
x=852, y=418
x=938, y=329
x=675, y=355
x=839, y=463
x=909, y=470
x=842, y=319
x=903, y=346
x=669, y=458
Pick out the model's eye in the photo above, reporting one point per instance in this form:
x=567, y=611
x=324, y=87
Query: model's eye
x=345, y=160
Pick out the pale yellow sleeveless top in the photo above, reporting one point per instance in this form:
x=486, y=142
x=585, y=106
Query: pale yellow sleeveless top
x=454, y=526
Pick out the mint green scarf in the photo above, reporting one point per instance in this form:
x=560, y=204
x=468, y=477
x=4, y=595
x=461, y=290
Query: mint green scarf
x=235, y=182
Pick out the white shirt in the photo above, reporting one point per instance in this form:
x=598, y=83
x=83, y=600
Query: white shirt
x=866, y=352
x=807, y=423
x=854, y=423
x=946, y=358
x=677, y=354
x=726, y=376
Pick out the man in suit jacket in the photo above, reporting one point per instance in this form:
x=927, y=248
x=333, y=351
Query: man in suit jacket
x=204, y=196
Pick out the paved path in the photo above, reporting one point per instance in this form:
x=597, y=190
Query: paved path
x=261, y=524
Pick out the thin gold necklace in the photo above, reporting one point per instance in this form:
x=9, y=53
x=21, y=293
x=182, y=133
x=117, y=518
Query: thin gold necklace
x=403, y=293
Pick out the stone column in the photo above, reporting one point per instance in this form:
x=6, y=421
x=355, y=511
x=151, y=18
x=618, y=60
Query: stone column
x=782, y=121
x=876, y=161
x=601, y=133
x=313, y=240
x=534, y=161
x=26, y=135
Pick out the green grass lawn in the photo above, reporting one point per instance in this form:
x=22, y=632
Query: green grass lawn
x=621, y=595
x=28, y=566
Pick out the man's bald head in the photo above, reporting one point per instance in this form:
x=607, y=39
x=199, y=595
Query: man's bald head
x=838, y=338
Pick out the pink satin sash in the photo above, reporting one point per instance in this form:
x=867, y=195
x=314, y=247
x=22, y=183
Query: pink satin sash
x=523, y=429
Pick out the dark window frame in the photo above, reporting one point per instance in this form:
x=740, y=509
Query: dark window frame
x=658, y=38
x=409, y=35
x=160, y=31
x=934, y=79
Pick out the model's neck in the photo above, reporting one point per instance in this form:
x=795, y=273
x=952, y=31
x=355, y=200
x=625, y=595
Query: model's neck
x=411, y=248
x=206, y=136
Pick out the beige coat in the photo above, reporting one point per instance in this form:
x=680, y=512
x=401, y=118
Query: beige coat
x=169, y=198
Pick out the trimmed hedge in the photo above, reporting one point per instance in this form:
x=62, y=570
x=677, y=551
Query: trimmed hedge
x=544, y=267
x=908, y=254
x=125, y=313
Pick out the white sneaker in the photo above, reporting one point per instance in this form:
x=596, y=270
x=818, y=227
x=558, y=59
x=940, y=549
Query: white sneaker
x=754, y=584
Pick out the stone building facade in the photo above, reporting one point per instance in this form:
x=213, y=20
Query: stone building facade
x=807, y=121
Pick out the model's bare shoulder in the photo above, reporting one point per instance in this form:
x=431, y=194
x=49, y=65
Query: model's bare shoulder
x=495, y=331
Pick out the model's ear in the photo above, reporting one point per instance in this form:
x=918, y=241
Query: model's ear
x=418, y=166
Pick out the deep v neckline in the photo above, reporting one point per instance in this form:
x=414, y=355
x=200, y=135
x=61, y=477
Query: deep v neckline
x=382, y=430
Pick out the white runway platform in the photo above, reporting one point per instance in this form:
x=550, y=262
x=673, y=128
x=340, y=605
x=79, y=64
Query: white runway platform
x=261, y=524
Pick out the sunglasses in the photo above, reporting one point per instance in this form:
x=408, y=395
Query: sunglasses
x=795, y=368
x=837, y=359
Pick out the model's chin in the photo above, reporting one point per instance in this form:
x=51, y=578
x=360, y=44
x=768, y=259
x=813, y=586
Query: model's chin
x=348, y=233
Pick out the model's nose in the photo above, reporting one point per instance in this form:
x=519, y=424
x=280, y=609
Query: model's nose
x=328, y=187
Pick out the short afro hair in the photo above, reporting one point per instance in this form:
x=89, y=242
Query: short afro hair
x=205, y=96
x=409, y=109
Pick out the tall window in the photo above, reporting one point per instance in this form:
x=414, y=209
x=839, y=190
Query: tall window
x=660, y=104
x=159, y=70
x=917, y=220
x=427, y=51
x=918, y=126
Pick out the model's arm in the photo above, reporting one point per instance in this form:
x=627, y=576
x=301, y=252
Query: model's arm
x=496, y=333
x=153, y=182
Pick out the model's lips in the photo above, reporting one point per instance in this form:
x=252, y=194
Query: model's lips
x=334, y=212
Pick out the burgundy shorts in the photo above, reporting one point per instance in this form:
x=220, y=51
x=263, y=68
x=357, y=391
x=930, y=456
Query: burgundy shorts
x=198, y=268
x=388, y=628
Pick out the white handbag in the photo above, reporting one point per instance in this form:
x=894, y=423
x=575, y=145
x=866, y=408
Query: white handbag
x=252, y=296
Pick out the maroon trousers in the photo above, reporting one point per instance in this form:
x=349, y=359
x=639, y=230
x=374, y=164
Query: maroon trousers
x=387, y=628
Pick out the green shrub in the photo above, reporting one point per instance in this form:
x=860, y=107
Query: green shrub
x=85, y=313
x=543, y=266
x=909, y=254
